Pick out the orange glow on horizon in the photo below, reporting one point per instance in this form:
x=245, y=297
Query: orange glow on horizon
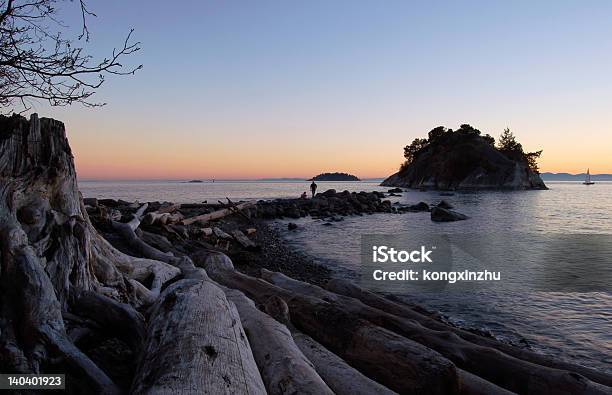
x=125, y=149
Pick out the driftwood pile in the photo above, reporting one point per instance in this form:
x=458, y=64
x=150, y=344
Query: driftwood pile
x=185, y=321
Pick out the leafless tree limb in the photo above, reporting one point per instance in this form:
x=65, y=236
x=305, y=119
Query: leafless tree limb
x=37, y=62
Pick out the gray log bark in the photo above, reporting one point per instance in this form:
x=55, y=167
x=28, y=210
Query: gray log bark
x=394, y=361
x=347, y=288
x=284, y=367
x=488, y=363
x=196, y=344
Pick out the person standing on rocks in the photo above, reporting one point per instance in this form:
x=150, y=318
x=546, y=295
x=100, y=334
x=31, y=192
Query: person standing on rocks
x=313, y=188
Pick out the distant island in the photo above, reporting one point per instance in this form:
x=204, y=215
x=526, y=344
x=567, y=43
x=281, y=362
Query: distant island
x=463, y=159
x=334, y=177
x=574, y=177
x=195, y=181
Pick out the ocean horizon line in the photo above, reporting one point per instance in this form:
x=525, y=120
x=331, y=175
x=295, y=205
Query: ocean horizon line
x=210, y=180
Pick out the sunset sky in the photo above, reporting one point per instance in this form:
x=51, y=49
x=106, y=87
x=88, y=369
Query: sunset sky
x=291, y=89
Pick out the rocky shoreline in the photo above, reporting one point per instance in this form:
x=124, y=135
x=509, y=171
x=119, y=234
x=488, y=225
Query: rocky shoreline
x=125, y=297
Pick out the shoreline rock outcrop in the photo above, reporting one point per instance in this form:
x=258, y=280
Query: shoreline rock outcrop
x=464, y=160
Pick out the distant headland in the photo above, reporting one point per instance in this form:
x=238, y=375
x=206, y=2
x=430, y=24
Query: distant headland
x=574, y=177
x=334, y=177
x=463, y=159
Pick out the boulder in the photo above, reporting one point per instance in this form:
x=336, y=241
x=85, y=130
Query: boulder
x=329, y=193
x=395, y=190
x=445, y=204
x=421, y=206
x=439, y=214
x=292, y=212
x=292, y=226
x=108, y=202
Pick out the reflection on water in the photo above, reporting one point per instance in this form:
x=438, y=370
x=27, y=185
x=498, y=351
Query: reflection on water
x=577, y=326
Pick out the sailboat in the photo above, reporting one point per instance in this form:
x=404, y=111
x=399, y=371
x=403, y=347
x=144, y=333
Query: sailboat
x=587, y=180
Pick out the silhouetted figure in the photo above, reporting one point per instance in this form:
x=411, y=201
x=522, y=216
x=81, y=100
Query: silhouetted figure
x=313, y=188
x=304, y=196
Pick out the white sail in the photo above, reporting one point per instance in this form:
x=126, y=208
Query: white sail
x=587, y=180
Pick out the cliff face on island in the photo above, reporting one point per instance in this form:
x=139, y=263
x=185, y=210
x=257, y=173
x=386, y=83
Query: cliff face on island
x=465, y=161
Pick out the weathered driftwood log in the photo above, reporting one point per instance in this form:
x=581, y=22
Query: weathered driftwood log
x=40, y=333
x=244, y=241
x=216, y=214
x=489, y=363
x=342, y=378
x=221, y=234
x=54, y=264
x=50, y=250
x=169, y=208
x=284, y=368
x=156, y=218
x=474, y=385
x=196, y=345
x=348, y=288
x=394, y=361
x=136, y=270
x=155, y=240
x=118, y=319
x=233, y=207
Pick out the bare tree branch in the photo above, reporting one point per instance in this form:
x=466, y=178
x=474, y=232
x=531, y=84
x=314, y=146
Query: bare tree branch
x=38, y=63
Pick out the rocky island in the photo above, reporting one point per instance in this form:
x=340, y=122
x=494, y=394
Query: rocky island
x=465, y=160
x=334, y=177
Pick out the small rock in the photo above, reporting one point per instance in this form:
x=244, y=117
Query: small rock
x=445, y=204
x=439, y=214
x=329, y=193
x=291, y=226
x=92, y=202
x=395, y=190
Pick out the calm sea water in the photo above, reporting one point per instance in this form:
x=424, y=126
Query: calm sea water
x=185, y=192
x=573, y=326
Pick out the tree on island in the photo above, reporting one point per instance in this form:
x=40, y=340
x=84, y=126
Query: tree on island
x=513, y=149
x=39, y=62
x=441, y=135
x=337, y=176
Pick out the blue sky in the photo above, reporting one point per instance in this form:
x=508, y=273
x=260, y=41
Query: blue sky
x=287, y=88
